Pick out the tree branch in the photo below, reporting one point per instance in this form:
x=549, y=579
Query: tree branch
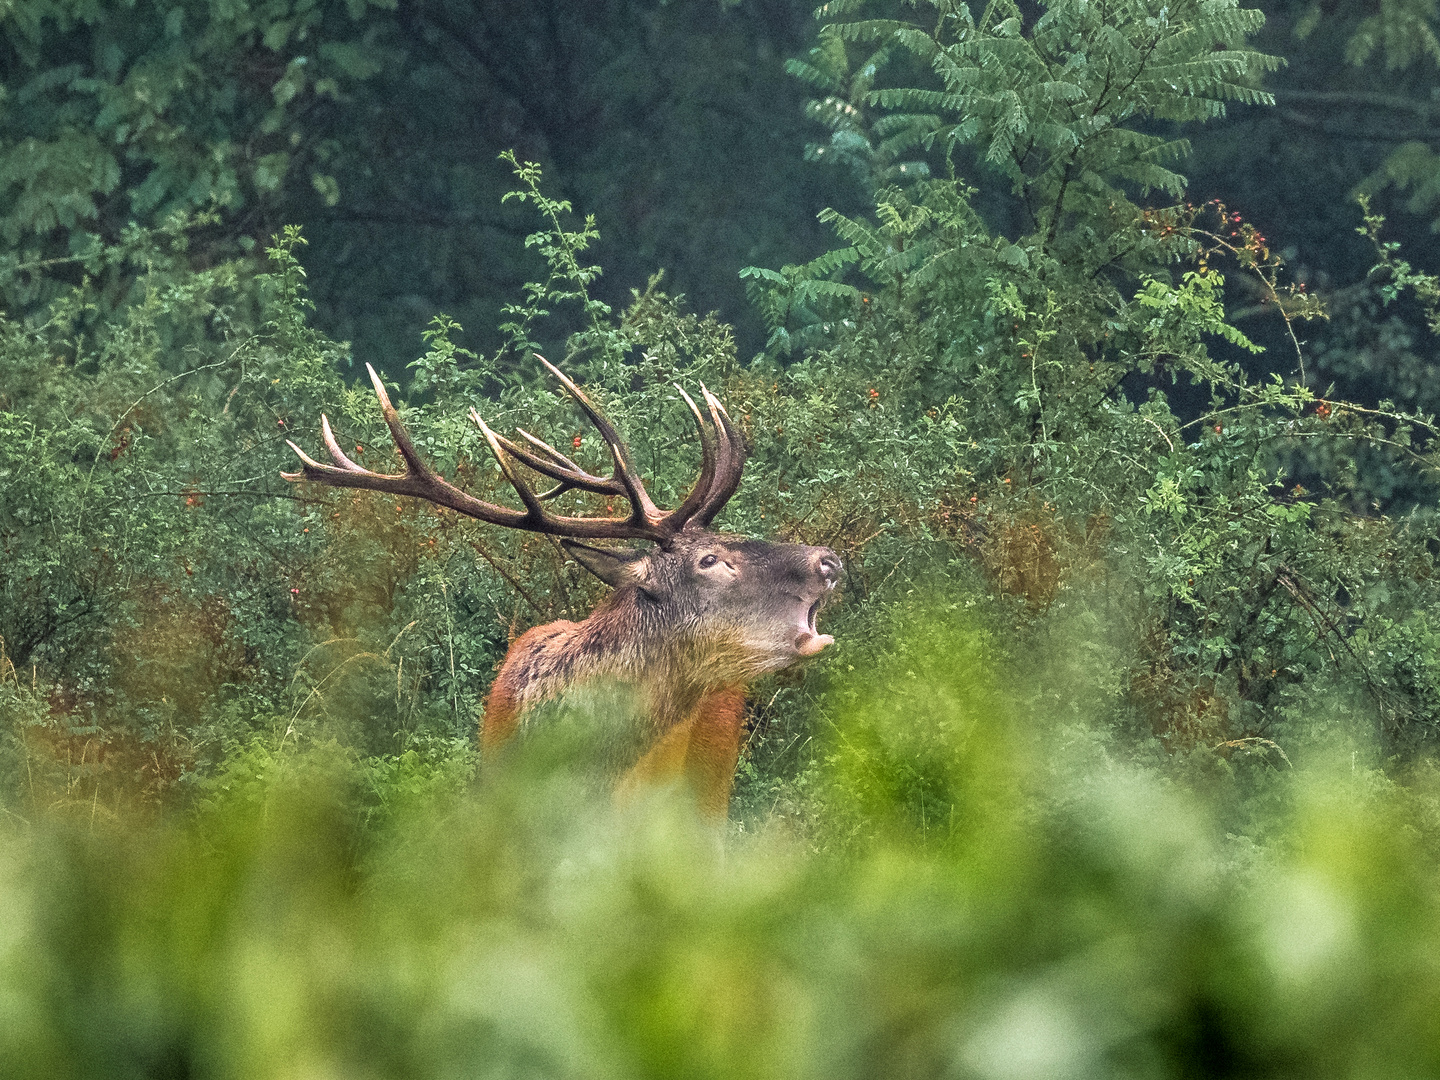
x=1361, y=99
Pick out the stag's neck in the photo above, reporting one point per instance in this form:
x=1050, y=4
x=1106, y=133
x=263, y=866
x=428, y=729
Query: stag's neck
x=626, y=638
x=629, y=637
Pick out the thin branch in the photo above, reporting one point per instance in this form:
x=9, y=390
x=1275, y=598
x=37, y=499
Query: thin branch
x=509, y=578
x=248, y=494
x=1297, y=588
x=136, y=404
x=1377, y=133
x=1361, y=99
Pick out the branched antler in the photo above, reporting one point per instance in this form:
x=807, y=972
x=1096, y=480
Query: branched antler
x=722, y=463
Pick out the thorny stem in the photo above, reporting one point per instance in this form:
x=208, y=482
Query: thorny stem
x=1254, y=255
x=509, y=578
x=135, y=405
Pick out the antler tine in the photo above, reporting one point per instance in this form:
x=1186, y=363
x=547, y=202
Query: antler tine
x=644, y=509
x=723, y=458
x=678, y=517
x=730, y=463
x=562, y=468
x=567, y=483
x=561, y=487
x=413, y=462
x=345, y=465
x=536, y=518
x=417, y=481
x=527, y=496
x=600, y=484
x=559, y=467
x=310, y=466
x=548, y=450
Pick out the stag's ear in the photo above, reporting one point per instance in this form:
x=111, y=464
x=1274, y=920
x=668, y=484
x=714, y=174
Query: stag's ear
x=614, y=566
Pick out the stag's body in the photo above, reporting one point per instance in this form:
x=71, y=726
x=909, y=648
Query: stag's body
x=691, y=622
x=620, y=642
x=694, y=715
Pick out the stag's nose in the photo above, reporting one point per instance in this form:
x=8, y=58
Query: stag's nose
x=827, y=565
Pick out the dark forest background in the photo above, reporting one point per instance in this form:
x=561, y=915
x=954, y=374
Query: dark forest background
x=379, y=129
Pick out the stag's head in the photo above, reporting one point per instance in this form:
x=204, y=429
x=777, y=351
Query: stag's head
x=760, y=600
x=753, y=602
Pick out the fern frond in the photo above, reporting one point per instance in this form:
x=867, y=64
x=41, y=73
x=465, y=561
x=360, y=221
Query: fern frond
x=761, y=273
x=858, y=234
x=832, y=262
x=921, y=44
x=869, y=30
x=813, y=75
x=828, y=289
x=914, y=99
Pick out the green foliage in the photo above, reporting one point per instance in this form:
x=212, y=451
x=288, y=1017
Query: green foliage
x=869, y=149
x=994, y=890
x=1031, y=367
x=1411, y=168
x=1397, y=275
x=1403, y=32
x=117, y=113
x=377, y=126
x=173, y=590
x=569, y=280
x=1054, y=107
x=1138, y=653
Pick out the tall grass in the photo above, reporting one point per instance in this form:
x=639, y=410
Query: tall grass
x=982, y=887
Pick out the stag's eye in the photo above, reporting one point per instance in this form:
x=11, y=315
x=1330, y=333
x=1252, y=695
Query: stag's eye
x=707, y=561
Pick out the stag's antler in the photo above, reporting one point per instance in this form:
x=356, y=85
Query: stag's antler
x=722, y=461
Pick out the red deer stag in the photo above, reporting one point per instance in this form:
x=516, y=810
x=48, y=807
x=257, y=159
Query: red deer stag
x=692, y=620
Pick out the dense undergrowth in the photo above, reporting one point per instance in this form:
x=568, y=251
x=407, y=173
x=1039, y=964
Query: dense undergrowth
x=990, y=887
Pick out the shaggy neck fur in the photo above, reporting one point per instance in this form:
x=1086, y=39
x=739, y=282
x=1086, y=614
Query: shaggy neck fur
x=625, y=638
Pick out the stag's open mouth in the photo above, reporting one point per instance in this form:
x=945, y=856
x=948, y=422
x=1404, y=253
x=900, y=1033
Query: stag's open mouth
x=809, y=642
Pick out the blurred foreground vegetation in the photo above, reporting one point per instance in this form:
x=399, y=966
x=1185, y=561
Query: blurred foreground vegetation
x=991, y=887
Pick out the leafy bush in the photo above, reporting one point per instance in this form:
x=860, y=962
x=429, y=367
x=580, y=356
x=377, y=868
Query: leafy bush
x=1059, y=375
